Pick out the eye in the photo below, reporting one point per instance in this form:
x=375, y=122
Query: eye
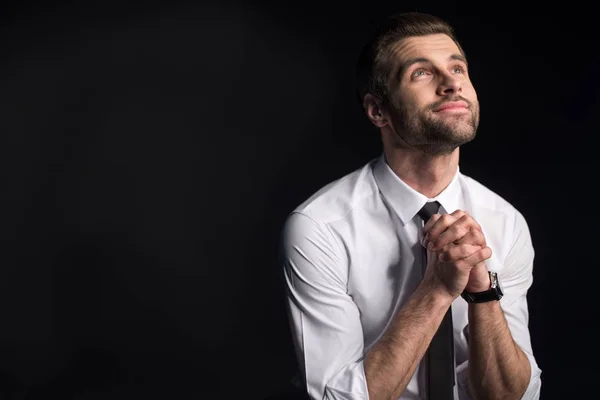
x=459, y=69
x=418, y=72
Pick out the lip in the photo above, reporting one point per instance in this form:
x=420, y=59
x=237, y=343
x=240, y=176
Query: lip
x=453, y=105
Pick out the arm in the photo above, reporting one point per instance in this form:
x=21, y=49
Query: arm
x=501, y=363
x=325, y=322
x=498, y=368
x=392, y=361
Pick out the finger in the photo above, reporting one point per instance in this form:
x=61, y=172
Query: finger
x=428, y=224
x=457, y=252
x=434, y=227
x=474, y=236
x=459, y=228
x=478, y=256
x=452, y=234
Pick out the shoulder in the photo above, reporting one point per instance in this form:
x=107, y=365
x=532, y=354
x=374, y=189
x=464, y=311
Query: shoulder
x=339, y=198
x=310, y=241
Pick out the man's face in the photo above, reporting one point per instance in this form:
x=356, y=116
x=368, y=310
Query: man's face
x=432, y=103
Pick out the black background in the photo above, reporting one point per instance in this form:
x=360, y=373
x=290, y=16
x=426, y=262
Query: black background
x=150, y=152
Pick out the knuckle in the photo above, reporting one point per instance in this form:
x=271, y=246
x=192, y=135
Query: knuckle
x=460, y=230
x=476, y=236
x=472, y=237
x=483, y=254
x=444, y=218
x=464, y=248
x=474, y=224
x=476, y=228
x=458, y=213
x=469, y=218
x=465, y=217
x=482, y=240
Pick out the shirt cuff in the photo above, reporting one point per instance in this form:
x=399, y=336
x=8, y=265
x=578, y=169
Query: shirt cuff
x=348, y=384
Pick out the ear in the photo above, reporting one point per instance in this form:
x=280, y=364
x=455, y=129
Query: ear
x=375, y=112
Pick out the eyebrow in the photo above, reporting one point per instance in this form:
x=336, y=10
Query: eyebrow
x=408, y=63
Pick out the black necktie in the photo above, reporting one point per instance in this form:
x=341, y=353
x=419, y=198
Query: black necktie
x=440, y=355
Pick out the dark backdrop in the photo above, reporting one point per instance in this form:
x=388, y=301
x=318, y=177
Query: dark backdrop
x=150, y=152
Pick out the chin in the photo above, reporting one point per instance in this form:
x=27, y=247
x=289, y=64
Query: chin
x=463, y=129
x=466, y=133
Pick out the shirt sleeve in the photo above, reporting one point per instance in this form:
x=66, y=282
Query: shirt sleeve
x=515, y=279
x=325, y=322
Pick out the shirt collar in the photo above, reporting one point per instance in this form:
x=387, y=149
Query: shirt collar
x=406, y=201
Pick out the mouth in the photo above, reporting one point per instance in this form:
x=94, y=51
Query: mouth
x=453, y=106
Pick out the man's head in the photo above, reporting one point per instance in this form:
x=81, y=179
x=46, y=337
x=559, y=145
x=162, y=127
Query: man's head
x=414, y=84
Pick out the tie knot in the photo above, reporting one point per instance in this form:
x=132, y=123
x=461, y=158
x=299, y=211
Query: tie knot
x=430, y=208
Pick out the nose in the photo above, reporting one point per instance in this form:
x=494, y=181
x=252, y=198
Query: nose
x=449, y=84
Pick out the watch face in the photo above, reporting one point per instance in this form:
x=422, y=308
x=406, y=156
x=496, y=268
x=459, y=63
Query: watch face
x=494, y=279
x=496, y=283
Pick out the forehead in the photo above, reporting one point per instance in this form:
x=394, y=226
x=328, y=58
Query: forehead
x=437, y=46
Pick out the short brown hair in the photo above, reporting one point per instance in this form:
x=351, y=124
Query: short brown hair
x=372, y=69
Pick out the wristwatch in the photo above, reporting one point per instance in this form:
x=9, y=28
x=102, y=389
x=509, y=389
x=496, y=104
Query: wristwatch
x=493, y=293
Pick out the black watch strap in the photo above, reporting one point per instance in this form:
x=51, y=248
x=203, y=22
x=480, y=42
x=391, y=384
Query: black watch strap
x=493, y=293
x=481, y=297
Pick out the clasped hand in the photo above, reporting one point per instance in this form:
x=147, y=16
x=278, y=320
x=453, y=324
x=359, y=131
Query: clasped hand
x=457, y=250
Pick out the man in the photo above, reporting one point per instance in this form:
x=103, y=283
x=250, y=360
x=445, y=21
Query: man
x=364, y=298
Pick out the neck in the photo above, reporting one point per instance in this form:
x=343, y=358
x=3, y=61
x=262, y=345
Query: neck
x=428, y=175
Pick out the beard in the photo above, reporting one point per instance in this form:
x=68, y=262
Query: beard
x=435, y=135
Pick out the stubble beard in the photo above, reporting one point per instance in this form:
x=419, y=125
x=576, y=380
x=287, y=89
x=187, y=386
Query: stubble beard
x=436, y=136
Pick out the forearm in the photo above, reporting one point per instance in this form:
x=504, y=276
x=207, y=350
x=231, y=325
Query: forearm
x=392, y=361
x=498, y=368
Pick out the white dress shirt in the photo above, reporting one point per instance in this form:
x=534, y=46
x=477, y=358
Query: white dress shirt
x=352, y=258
